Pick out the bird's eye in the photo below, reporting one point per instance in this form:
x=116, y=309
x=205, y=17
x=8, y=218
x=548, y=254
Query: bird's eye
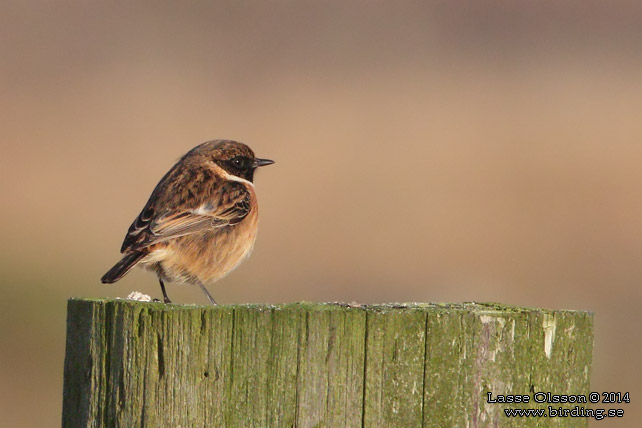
x=240, y=162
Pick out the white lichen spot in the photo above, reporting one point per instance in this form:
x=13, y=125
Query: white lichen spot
x=139, y=297
x=485, y=319
x=512, y=331
x=549, y=325
x=569, y=331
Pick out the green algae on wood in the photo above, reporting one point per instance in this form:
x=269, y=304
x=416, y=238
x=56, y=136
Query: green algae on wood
x=135, y=364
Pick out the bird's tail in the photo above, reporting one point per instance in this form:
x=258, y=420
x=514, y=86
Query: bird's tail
x=123, y=266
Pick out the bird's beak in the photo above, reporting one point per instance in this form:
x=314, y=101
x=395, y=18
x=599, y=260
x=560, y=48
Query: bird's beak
x=262, y=162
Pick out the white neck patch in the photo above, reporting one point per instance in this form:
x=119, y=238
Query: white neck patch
x=227, y=175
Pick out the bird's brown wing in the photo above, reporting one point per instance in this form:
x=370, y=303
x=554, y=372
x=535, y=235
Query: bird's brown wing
x=211, y=205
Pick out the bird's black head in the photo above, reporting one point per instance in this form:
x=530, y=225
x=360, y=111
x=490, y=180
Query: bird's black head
x=234, y=157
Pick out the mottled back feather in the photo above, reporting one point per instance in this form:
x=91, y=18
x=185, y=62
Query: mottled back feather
x=190, y=198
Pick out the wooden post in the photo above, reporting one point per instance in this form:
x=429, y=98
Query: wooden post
x=132, y=364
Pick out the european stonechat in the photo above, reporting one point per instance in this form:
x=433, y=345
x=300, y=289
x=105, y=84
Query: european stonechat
x=200, y=221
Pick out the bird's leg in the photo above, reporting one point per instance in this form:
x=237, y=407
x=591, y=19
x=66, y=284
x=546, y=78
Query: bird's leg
x=165, y=298
x=209, y=296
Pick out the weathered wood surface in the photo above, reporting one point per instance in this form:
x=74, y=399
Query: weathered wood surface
x=132, y=364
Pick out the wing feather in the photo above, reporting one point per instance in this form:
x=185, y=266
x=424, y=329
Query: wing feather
x=196, y=203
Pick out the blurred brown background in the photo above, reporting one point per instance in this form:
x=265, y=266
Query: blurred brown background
x=426, y=151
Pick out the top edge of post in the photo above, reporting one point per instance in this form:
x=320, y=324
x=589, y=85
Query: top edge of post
x=486, y=308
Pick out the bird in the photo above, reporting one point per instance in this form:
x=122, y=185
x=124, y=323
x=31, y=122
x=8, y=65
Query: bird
x=201, y=220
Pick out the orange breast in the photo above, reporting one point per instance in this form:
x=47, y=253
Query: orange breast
x=206, y=256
